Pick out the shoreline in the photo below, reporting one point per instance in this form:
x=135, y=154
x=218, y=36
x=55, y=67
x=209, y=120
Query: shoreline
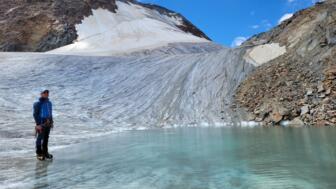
x=96, y=137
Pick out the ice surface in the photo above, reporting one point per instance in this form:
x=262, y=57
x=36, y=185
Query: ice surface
x=188, y=85
x=132, y=28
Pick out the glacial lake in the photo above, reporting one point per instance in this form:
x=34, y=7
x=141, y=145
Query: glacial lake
x=189, y=158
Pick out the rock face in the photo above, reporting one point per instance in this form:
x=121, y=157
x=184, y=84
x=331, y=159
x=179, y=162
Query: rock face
x=43, y=25
x=302, y=80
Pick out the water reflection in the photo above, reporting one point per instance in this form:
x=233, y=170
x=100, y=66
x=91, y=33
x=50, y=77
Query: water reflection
x=216, y=158
x=41, y=174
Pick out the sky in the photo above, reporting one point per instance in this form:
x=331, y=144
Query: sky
x=230, y=22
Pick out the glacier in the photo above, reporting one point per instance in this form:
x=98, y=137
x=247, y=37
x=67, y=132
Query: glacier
x=134, y=69
x=144, y=67
x=182, y=84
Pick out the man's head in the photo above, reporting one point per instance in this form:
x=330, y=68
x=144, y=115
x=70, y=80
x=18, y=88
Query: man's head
x=45, y=94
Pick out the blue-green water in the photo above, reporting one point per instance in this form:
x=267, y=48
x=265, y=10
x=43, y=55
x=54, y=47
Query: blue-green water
x=195, y=158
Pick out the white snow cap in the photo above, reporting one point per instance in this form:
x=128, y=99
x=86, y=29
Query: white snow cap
x=131, y=28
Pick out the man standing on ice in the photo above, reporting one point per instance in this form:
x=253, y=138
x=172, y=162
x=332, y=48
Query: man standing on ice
x=44, y=122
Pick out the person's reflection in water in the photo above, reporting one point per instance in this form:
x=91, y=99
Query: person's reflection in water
x=41, y=174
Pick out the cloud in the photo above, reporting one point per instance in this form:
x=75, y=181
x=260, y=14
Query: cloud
x=299, y=3
x=316, y=1
x=238, y=41
x=262, y=25
x=255, y=26
x=267, y=24
x=285, y=17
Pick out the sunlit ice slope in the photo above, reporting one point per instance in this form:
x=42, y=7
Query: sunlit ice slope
x=132, y=28
x=138, y=67
x=178, y=85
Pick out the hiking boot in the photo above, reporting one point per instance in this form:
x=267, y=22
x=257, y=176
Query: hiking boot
x=40, y=157
x=48, y=156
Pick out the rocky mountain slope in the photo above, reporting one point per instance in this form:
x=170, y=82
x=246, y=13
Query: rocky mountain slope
x=299, y=86
x=43, y=25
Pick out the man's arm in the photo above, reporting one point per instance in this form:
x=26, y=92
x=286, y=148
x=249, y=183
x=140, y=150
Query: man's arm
x=51, y=110
x=36, y=113
x=51, y=116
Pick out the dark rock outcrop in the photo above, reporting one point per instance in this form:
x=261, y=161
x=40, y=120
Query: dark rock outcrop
x=43, y=25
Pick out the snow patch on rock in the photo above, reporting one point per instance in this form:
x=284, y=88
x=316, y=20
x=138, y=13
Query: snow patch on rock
x=131, y=28
x=285, y=17
x=262, y=54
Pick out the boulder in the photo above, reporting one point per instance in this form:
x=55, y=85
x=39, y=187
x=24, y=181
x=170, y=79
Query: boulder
x=305, y=110
x=320, y=87
x=251, y=117
x=323, y=95
x=259, y=119
x=276, y=117
x=322, y=123
x=309, y=92
x=297, y=122
x=331, y=73
x=283, y=111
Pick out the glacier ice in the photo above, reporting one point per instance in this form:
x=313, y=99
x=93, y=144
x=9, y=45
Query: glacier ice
x=179, y=85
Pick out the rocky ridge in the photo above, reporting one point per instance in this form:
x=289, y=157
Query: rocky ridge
x=43, y=25
x=298, y=87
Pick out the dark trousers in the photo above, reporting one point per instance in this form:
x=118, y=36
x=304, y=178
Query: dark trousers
x=42, y=140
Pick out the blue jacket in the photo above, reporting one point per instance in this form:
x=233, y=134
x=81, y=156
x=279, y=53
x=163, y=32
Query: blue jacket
x=42, y=111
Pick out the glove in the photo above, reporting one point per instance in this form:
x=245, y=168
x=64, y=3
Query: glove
x=39, y=129
x=49, y=123
x=52, y=124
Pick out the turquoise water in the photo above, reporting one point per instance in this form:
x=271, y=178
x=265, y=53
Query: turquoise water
x=195, y=158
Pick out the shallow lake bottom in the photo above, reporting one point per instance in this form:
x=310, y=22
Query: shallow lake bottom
x=195, y=158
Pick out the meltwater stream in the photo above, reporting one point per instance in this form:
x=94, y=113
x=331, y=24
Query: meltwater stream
x=195, y=158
